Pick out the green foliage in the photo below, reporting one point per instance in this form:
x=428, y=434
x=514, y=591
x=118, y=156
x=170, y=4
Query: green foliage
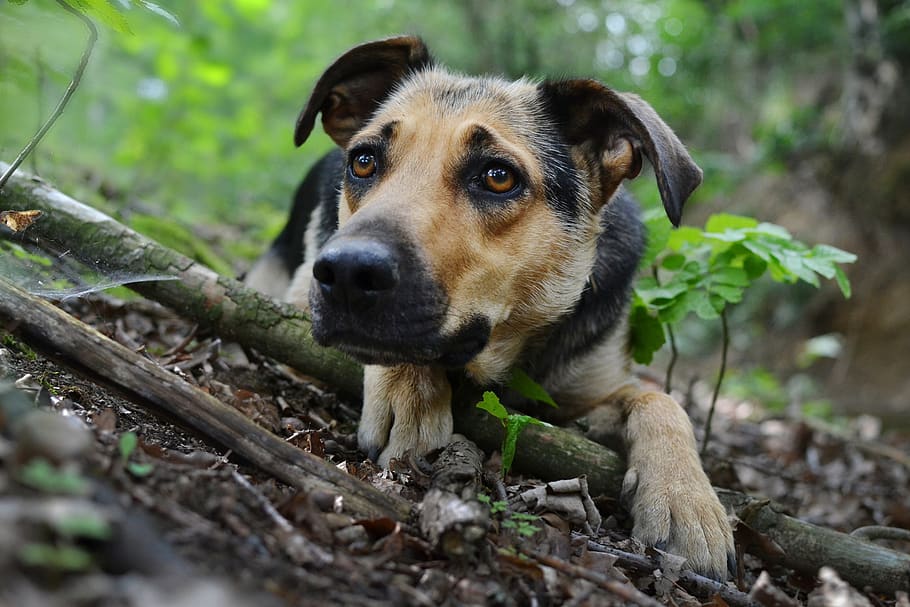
x=64, y=558
x=513, y=423
x=127, y=445
x=39, y=474
x=530, y=389
x=87, y=525
x=703, y=271
x=521, y=522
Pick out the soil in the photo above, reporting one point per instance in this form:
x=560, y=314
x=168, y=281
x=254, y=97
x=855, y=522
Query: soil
x=179, y=521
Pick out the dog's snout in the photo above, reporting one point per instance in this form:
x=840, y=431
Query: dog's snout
x=356, y=272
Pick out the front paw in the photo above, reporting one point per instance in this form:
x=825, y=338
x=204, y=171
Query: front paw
x=680, y=513
x=405, y=408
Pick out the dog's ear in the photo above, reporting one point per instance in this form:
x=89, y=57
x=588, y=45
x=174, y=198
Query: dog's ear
x=616, y=126
x=354, y=86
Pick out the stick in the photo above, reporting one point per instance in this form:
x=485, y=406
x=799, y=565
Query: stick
x=226, y=306
x=88, y=352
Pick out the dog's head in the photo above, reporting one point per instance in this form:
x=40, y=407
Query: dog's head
x=470, y=207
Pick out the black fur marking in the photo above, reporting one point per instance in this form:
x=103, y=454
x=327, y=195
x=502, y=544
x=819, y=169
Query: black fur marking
x=604, y=299
x=561, y=180
x=322, y=183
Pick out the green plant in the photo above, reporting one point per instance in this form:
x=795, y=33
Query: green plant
x=521, y=522
x=65, y=558
x=39, y=474
x=702, y=271
x=127, y=445
x=514, y=423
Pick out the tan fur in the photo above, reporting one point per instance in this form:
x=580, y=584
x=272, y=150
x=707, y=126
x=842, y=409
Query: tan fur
x=665, y=488
x=519, y=267
x=417, y=399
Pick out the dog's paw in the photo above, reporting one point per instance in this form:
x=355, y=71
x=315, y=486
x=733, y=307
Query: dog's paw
x=404, y=408
x=678, y=511
x=431, y=430
x=375, y=425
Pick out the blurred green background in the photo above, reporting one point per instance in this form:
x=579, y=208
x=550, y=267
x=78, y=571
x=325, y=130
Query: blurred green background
x=182, y=127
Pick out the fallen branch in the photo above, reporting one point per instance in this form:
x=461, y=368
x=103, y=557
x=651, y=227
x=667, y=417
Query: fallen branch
x=86, y=351
x=280, y=331
x=222, y=304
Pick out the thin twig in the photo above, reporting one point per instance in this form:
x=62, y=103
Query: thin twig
x=878, y=532
x=692, y=582
x=625, y=591
x=74, y=83
x=674, y=355
x=720, y=379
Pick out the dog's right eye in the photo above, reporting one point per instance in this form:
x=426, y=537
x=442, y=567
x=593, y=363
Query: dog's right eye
x=363, y=165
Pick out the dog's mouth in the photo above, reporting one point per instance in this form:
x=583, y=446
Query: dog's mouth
x=373, y=344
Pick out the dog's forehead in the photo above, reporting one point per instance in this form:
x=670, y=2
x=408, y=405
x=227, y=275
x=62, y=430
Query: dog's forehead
x=438, y=94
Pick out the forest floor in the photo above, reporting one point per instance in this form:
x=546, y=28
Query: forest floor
x=177, y=521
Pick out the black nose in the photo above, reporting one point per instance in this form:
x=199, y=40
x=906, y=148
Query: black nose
x=356, y=272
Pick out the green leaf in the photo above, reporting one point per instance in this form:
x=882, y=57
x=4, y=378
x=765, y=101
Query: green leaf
x=105, y=12
x=527, y=387
x=647, y=335
x=514, y=425
x=674, y=262
x=732, y=276
x=61, y=558
x=728, y=293
x=491, y=405
x=683, y=236
x=658, y=233
x=754, y=267
x=156, y=9
x=41, y=475
x=702, y=305
x=87, y=525
x=843, y=282
x=139, y=470
x=128, y=443
x=832, y=254
x=720, y=222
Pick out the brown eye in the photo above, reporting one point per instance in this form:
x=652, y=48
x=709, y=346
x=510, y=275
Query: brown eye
x=363, y=165
x=499, y=179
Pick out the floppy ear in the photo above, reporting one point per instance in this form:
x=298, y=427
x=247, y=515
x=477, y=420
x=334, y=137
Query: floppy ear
x=354, y=86
x=617, y=126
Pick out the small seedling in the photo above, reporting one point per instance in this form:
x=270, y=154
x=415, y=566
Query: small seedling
x=41, y=475
x=128, y=443
x=513, y=423
x=521, y=522
x=65, y=558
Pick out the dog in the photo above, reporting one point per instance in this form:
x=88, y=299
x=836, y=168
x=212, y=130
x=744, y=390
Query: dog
x=480, y=224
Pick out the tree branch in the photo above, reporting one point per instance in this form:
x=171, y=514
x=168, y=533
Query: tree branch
x=73, y=85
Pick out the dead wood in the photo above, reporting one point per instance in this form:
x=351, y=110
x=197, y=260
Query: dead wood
x=223, y=304
x=87, y=352
x=451, y=518
x=280, y=331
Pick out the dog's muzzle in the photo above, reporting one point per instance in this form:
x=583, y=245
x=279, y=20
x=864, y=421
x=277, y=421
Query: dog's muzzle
x=375, y=300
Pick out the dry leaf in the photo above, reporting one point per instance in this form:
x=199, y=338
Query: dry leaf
x=17, y=221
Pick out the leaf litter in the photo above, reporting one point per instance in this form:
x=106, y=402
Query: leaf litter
x=198, y=527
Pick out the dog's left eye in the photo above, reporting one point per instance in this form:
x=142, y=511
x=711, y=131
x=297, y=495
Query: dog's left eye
x=363, y=165
x=499, y=179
